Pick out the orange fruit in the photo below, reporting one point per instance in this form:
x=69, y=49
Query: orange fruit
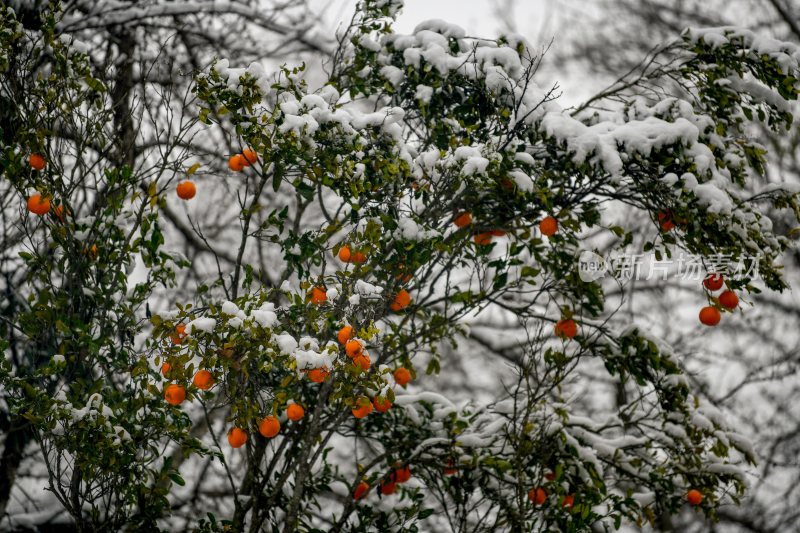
x=507, y=184
x=387, y=487
x=463, y=219
x=363, y=361
x=401, y=300
x=381, y=404
x=710, y=316
x=38, y=205
x=359, y=258
x=402, y=376
x=450, y=469
x=250, y=156
x=180, y=333
x=713, y=282
x=362, y=408
x=538, y=495
x=401, y=474
x=568, y=501
x=186, y=190
x=729, y=300
x=566, y=328
x=497, y=233
x=665, y=220
x=483, y=239
x=694, y=497
x=403, y=276
x=269, y=427
x=237, y=437
x=353, y=348
x=318, y=296
x=174, y=394
x=295, y=412
x=361, y=490
x=548, y=226
x=345, y=334
x=344, y=254
x=318, y=375
x=165, y=369
x=36, y=161
x=58, y=211
x=237, y=163
x=203, y=380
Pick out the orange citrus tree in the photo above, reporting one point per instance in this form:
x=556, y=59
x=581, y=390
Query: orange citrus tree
x=428, y=181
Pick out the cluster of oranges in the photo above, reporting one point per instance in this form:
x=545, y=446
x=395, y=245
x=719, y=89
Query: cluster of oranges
x=388, y=485
x=354, y=349
x=346, y=255
x=483, y=238
x=710, y=315
x=268, y=427
x=402, y=298
x=239, y=162
x=538, y=496
x=187, y=190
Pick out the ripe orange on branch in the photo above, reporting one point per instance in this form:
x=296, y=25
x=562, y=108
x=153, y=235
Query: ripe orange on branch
x=401, y=300
x=381, y=404
x=174, y=394
x=250, y=156
x=401, y=474
x=402, y=376
x=665, y=220
x=729, y=300
x=269, y=427
x=318, y=375
x=38, y=205
x=361, y=490
x=186, y=190
x=566, y=328
x=713, y=282
x=318, y=296
x=362, y=408
x=295, y=412
x=345, y=334
x=548, y=226
x=694, y=497
x=353, y=348
x=237, y=437
x=36, y=161
x=345, y=254
x=203, y=379
x=387, y=487
x=462, y=220
x=237, y=163
x=363, y=361
x=710, y=316
x=538, y=495
x=483, y=239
